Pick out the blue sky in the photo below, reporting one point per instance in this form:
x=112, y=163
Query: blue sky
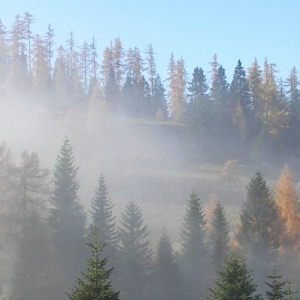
x=235, y=29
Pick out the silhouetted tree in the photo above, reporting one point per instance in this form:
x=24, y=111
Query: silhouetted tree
x=135, y=254
x=167, y=276
x=66, y=216
x=194, y=253
x=218, y=236
x=257, y=234
x=159, y=104
x=36, y=274
x=103, y=219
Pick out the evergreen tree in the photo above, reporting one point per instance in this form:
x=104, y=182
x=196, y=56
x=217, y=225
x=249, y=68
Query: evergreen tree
x=112, y=95
x=257, y=234
x=103, y=219
x=93, y=62
x=214, y=67
x=218, y=235
x=240, y=97
x=219, y=95
x=167, y=273
x=199, y=111
x=151, y=69
x=159, y=103
x=67, y=217
x=135, y=254
x=255, y=84
x=234, y=281
x=276, y=289
x=194, y=252
x=35, y=272
x=129, y=103
x=146, y=102
x=293, y=113
x=95, y=283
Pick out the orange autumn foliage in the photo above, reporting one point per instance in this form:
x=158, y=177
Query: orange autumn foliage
x=287, y=203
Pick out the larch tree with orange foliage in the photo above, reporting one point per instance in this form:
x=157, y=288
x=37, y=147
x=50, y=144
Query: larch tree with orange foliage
x=288, y=210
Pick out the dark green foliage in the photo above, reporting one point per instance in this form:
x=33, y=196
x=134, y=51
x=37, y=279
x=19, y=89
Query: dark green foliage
x=135, y=254
x=103, y=219
x=219, y=93
x=95, y=283
x=199, y=109
x=129, y=105
x=146, y=102
x=218, y=236
x=67, y=217
x=276, y=287
x=159, y=99
x=167, y=274
x=194, y=256
x=35, y=272
x=241, y=101
x=256, y=233
x=234, y=281
x=112, y=93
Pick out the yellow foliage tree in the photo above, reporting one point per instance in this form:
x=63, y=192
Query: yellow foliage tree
x=286, y=201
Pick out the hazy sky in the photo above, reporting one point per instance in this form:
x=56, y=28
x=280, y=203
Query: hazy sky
x=235, y=29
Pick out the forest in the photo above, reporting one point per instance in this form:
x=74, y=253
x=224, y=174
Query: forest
x=195, y=147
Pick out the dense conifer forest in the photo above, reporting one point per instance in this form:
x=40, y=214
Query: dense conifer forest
x=161, y=141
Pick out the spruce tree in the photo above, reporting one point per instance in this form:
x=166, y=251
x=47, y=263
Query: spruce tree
x=112, y=93
x=275, y=286
x=95, y=283
x=36, y=274
x=240, y=97
x=135, y=254
x=234, y=281
x=218, y=236
x=159, y=104
x=257, y=234
x=194, y=253
x=103, y=219
x=67, y=217
x=167, y=276
x=198, y=115
x=292, y=133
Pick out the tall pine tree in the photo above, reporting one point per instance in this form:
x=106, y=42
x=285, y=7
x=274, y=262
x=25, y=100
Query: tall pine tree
x=67, y=217
x=135, y=254
x=194, y=252
x=95, y=283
